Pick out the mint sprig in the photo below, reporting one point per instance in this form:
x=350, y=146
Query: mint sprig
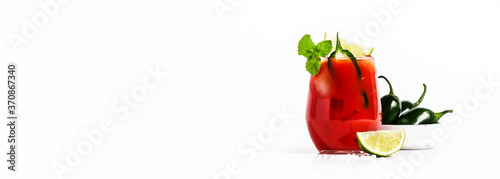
x=314, y=52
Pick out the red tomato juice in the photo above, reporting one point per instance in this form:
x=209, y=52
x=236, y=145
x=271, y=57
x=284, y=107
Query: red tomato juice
x=341, y=103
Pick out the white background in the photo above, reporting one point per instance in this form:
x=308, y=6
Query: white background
x=228, y=73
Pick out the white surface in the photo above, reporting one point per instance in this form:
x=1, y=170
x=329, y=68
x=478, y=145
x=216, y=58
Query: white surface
x=419, y=136
x=226, y=78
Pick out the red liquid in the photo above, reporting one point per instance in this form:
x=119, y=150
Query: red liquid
x=341, y=103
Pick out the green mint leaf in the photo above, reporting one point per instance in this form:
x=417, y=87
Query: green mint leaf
x=313, y=52
x=306, y=46
x=313, y=65
x=324, y=48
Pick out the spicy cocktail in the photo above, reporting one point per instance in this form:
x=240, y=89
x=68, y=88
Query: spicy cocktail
x=343, y=100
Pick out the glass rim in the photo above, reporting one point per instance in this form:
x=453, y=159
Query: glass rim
x=347, y=58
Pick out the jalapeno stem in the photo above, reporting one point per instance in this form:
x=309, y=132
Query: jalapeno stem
x=339, y=49
x=421, y=97
x=390, y=86
x=439, y=114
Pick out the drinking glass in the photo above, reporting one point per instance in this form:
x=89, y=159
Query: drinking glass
x=342, y=100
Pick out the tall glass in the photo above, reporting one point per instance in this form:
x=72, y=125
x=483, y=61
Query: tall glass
x=342, y=101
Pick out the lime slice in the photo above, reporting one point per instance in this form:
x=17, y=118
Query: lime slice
x=356, y=49
x=381, y=143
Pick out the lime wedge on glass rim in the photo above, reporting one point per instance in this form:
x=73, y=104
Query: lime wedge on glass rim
x=381, y=143
x=356, y=49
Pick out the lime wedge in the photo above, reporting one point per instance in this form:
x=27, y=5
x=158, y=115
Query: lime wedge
x=356, y=49
x=381, y=143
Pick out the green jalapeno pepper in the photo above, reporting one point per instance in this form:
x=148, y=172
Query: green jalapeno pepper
x=417, y=116
x=407, y=105
x=391, y=106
